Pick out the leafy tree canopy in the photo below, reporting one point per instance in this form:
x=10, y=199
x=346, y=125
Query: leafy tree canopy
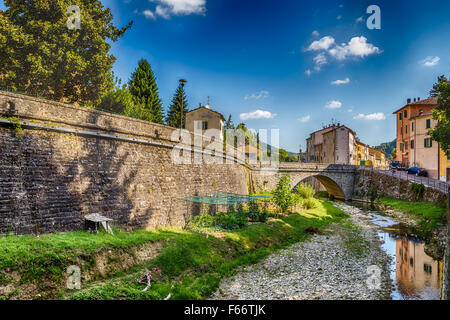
x=40, y=56
x=441, y=113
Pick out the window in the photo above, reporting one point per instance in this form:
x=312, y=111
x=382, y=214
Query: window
x=412, y=144
x=406, y=128
x=199, y=124
x=412, y=127
x=205, y=125
x=401, y=130
x=427, y=268
x=406, y=146
x=401, y=146
x=400, y=116
x=406, y=114
x=428, y=123
x=427, y=142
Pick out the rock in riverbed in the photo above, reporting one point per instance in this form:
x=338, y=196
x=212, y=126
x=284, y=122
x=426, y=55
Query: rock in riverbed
x=322, y=267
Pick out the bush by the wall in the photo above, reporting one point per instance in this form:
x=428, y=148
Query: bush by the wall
x=304, y=190
x=231, y=220
x=418, y=189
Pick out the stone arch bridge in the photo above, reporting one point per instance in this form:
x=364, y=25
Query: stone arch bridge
x=338, y=179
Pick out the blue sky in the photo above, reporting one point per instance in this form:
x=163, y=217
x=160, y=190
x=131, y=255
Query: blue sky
x=252, y=58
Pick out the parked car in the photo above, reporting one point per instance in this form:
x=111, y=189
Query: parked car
x=420, y=172
x=394, y=165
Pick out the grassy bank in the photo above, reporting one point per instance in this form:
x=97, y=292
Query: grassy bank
x=189, y=264
x=430, y=215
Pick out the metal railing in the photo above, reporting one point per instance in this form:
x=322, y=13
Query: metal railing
x=436, y=184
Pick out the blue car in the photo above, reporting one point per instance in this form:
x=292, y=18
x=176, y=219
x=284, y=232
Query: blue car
x=418, y=171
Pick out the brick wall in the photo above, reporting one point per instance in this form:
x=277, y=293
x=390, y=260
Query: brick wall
x=50, y=179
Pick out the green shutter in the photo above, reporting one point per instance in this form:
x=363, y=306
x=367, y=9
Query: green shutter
x=431, y=142
x=425, y=142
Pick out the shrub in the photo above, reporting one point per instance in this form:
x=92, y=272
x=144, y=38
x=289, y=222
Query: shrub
x=204, y=220
x=372, y=194
x=418, y=189
x=231, y=220
x=254, y=213
x=304, y=190
x=310, y=203
x=283, y=196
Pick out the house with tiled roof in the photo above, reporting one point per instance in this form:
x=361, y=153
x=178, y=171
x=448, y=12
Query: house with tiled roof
x=414, y=144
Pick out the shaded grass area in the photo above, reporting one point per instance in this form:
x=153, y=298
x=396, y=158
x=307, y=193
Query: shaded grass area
x=49, y=255
x=430, y=214
x=192, y=264
x=189, y=266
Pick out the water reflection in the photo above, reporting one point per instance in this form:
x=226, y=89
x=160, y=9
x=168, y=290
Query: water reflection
x=417, y=274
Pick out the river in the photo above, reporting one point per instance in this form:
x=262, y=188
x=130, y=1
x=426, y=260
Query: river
x=415, y=274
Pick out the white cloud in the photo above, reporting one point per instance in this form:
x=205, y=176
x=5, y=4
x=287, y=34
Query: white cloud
x=339, y=82
x=339, y=17
x=320, y=60
x=357, y=47
x=168, y=8
x=372, y=116
x=259, y=95
x=258, y=114
x=333, y=104
x=350, y=110
x=149, y=14
x=304, y=119
x=308, y=72
x=315, y=33
x=430, y=61
x=322, y=44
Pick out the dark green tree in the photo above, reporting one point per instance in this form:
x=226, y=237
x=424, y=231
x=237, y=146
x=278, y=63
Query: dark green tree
x=178, y=101
x=40, y=55
x=229, y=123
x=117, y=100
x=144, y=90
x=441, y=132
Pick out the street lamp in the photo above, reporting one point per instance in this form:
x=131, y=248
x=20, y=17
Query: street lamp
x=182, y=83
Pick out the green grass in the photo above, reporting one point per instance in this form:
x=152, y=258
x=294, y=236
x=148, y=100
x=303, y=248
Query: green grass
x=430, y=214
x=190, y=264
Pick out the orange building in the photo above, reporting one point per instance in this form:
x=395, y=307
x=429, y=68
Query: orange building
x=405, y=126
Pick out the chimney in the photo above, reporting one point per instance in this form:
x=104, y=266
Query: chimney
x=408, y=101
x=414, y=99
x=418, y=99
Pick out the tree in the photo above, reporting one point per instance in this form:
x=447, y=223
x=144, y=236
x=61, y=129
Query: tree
x=283, y=196
x=441, y=132
x=117, y=100
x=144, y=90
x=229, y=123
x=178, y=101
x=40, y=55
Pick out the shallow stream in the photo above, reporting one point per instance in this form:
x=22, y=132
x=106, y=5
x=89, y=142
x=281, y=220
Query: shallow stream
x=415, y=275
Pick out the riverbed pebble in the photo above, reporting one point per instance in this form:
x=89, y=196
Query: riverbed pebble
x=321, y=267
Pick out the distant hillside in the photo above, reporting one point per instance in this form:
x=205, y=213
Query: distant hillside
x=387, y=147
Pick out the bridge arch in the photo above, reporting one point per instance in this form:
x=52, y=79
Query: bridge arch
x=332, y=187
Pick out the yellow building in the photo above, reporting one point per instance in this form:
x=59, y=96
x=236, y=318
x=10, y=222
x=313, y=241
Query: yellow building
x=444, y=165
x=361, y=152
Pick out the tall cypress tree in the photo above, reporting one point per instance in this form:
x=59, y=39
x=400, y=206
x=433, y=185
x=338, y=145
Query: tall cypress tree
x=178, y=101
x=142, y=86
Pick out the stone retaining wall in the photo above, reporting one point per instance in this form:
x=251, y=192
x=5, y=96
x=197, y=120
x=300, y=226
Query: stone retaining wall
x=50, y=179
